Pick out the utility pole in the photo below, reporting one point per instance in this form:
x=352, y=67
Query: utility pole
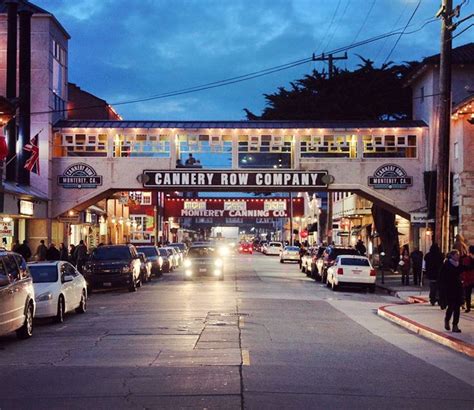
x=443, y=170
x=330, y=59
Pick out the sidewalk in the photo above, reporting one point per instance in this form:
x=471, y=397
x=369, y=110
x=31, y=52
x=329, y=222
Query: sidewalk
x=418, y=316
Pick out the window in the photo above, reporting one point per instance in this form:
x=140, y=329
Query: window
x=3, y=275
x=140, y=197
x=389, y=146
x=142, y=145
x=11, y=267
x=329, y=146
x=142, y=228
x=84, y=145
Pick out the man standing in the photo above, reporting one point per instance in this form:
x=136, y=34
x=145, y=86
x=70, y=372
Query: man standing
x=80, y=255
x=433, y=263
x=24, y=250
x=41, y=251
x=360, y=247
x=52, y=254
x=416, y=265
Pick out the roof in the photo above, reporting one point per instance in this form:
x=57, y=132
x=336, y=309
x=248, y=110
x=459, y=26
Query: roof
x=459, y=56
x=26, y=5
x=258, y=124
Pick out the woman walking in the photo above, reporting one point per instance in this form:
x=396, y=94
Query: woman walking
x=451, y=290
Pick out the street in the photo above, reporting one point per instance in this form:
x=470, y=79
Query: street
x=265, y=337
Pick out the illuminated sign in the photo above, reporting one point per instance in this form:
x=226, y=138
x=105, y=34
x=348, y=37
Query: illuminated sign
x=79, y=176
x=390, y=176
x=26, y=207
x=181, y=179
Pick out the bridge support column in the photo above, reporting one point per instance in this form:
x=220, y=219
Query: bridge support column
x=466, y=206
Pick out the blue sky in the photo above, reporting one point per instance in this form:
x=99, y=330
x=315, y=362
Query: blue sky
x=122, y=50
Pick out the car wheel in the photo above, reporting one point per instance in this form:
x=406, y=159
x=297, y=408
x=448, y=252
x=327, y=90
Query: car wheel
x=82, y=308
x=334, y=287
x=59, y=318
x=133, y=285
x=281, y=260
x=26, y=331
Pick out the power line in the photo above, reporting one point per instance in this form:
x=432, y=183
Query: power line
x=337, y=23
x=401, y=34
x=241, y=78
x=394, y=26
x=364, y=22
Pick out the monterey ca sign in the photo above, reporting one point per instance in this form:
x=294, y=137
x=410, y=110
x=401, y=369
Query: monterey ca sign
x=223, y=179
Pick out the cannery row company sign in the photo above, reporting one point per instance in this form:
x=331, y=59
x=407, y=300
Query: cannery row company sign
x=390, y=176
x=79, y=176
x=220, y=179
x=220, y=208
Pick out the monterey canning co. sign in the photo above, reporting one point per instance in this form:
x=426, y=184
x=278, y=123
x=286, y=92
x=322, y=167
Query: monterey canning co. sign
x=390, y=176
x=220, y=179
x=79, y=176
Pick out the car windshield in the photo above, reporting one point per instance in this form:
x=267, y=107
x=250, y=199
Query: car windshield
x=201, y=252
x=149, y=251
x=44, y=273
x=354, y=262
x=292, y=248
x=275, y=244
x=111, y=253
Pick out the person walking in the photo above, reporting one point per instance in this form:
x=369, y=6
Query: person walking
x=41, y=250
x=468, y=277
x=63, y=252
x=52, y=254
x=433, y=263
x=80, y=255
x=72, y=248
x=24, y=250
x=416, y=259
x=451, y=290
x=460, y=245
x=16, y=245
x=404, y=266
x=360, y=247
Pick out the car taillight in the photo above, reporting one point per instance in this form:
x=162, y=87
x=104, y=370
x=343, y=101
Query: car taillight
x=372, y=272
x=340, y=271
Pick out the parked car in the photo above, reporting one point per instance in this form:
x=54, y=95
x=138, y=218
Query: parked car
x=152, y=253
x=182, y=247
x=261, y=246
x=167, y=258
x=177, y=251
x=203, y=261
x=317, y=262
x=173, y=257
x=145, y=268
x=59, y=289
x=17, y=296
x=351, y=270
x=273, y=248
x=290, y=253
x=113, y=266
x=306, y=259
x=329, y=256
x=246, y=248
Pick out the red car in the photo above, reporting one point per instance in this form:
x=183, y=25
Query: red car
x=246, y=248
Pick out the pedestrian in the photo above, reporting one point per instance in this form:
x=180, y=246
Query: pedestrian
x=360, y=247
x=191, y=160
x=41, y=250
x=416, y=259
x=52, y=253
x=451, y=290
x=404, y=266
x=468, y=277
x=72, y=248
x=460, y=245
x=302, y=252
x=80, y=255
x=433, y=263
x=24, y=250
x=63, y=252
x=16, y=245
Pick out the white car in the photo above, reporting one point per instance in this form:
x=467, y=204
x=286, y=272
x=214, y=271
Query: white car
x=173, y=256
x=290, y=253
x=59, y=288
x=273, y=248
x=351, y=270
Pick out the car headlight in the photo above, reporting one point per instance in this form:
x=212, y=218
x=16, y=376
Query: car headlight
x=224, y=251
x=218, y=263
x=44, y=297
x=126, y=269
x=187, y=263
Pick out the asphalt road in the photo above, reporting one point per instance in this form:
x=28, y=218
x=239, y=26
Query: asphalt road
x=266, y=337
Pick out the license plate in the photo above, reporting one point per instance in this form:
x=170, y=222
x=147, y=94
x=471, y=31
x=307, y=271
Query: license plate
x=356, y=271
x=203, y=270
x=107, y=284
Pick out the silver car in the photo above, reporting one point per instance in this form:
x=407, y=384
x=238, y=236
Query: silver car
x=17, y=296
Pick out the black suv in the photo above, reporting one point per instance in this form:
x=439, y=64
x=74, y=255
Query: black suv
x=329, y=256
x=113, y=266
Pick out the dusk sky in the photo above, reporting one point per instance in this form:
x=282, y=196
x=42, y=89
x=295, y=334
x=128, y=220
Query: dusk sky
x=124, y=50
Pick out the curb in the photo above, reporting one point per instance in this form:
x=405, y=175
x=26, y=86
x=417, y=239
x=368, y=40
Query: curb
x=426, y=332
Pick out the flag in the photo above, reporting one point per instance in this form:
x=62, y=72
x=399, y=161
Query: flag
x=32, y=164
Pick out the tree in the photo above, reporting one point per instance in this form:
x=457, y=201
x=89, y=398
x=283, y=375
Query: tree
x=367, y=93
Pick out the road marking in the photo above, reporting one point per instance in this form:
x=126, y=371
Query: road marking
x=245, y=358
